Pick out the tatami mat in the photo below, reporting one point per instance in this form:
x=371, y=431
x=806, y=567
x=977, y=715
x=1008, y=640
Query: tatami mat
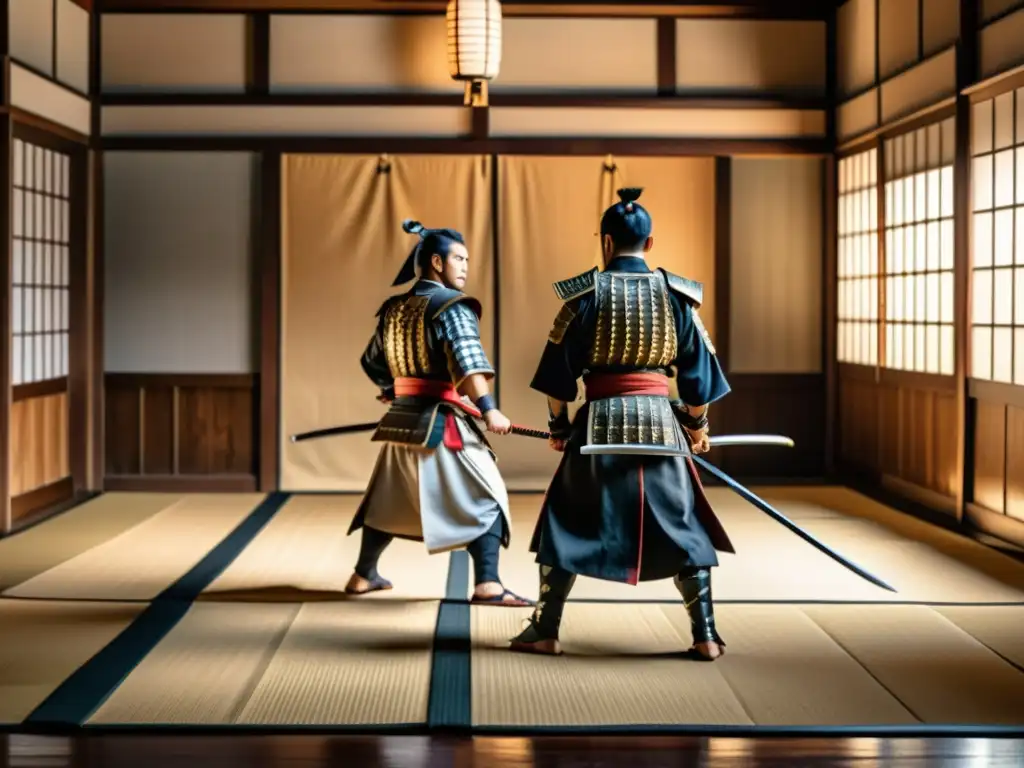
x=785, y=666
x=305, y=553
x=62, y=538
x=285, y=663
x=922, y=562
x=145, y=559
x=43, y=642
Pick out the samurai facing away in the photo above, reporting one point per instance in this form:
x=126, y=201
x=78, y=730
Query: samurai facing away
x=436, y=479
x=636, y=511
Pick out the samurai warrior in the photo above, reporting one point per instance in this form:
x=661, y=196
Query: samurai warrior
x=436, y=479
x=632, y=507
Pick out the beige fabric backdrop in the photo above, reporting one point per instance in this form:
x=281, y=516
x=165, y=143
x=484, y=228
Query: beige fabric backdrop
x=549, y=217
x=342, y=245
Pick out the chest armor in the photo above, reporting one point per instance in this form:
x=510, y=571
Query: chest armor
x=407, y=343
x=635, y=325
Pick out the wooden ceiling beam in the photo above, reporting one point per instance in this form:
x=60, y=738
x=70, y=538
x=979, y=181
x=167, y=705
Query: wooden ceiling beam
x=762, y=9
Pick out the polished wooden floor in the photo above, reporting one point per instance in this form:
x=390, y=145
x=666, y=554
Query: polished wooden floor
x=554, y=752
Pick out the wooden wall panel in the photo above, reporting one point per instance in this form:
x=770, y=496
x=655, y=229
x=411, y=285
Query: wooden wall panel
x=384, y=54
x=1015, y=463
x=995, y=502
x=900, y=428
x=43, y=97
x=749, y=56
x=30, y=30
x=990, y=455
x=922, y=86
x=40, y=473
x=415, y=122
x=143, y=52
x=657, y=123
x=992, y=8
x=1000, y=44
x=180, y=431
x=787, y=404
x=898, y=22
x=941, y=25
x=858, y=422
x=72, y=45
x=855, y=46
x=925, y=455
x=858, y=115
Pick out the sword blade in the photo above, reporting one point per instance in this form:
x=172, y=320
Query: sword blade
x=718, y=441
x=724, y=441
x=369, y=426
x=768, y=509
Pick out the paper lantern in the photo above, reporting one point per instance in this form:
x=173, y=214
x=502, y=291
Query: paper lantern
x=474, y=44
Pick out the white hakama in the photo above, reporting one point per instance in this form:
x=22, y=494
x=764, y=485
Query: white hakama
x=442, y=497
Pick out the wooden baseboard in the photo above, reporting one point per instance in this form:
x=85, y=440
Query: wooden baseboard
x=181, y=483
x=49, y=510
x=1000, y=526
x=904, y=503
x=924, y=496
x=39, y=499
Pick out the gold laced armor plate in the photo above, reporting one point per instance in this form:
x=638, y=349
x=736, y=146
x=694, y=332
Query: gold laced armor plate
x=405, y=337
x=635, y=330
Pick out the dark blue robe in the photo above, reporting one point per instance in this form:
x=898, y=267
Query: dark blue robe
x=618, y=517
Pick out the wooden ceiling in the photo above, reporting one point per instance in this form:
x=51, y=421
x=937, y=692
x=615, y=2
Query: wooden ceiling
x=763, y=9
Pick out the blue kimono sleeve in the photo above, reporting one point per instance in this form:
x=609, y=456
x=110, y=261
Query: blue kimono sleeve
x=565, y=354
x=698, y=374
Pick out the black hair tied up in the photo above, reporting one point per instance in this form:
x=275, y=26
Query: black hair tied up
x=412, y=227
x=629, y=195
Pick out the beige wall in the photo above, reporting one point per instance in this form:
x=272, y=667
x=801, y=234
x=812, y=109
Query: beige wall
x=775, y=303
x=179, y=294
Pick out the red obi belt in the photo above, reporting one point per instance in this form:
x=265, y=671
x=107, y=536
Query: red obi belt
x=444, y=391
x=600, y=386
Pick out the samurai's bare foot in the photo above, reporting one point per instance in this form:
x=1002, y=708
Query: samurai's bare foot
x=357, y=585
x=708, y=651
x=530, y=640
x=493, y=593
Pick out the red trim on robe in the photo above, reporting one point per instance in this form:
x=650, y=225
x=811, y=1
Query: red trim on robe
x=705, y=513
x=633, y=575
x=452, y=438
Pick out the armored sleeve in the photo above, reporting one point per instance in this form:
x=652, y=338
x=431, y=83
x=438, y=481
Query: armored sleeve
x=698, y=373
x=459, y=330
x=565, y=353
x=375, y=363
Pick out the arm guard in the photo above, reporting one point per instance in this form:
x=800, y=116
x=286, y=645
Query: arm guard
x=559, y=426
x=459, y=331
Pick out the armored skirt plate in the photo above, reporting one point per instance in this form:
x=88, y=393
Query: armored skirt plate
x=634, y=425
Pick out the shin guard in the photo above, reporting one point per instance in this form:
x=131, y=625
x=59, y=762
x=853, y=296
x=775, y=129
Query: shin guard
x=694, y=585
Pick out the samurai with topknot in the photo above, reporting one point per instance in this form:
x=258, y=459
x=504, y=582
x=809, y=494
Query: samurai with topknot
x=436, y=479
x=631, y=508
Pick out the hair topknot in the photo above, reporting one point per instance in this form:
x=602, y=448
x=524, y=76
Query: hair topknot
x=630, y=194
x=628, y=224
x=412, y=227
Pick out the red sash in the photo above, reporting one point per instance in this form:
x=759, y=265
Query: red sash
x=444, y=391
x=602, y=385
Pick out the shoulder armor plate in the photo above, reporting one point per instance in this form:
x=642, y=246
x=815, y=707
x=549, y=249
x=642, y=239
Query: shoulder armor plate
x=447, y=297
x=387, y=304
x=576, y=286
x=690, y=290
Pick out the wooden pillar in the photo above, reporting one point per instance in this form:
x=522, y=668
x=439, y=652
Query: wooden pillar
x=96, y=464
x=6, y=171
x=269, y=260
x=966, y=75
